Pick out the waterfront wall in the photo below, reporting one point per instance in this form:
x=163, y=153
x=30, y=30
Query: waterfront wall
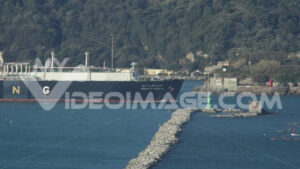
x=294, y=90
x=254, y=90
x=262, y=89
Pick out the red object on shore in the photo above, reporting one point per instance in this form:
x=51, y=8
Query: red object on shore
x=270, y=82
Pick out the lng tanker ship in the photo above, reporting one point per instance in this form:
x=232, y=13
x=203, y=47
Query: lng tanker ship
x=23, y=82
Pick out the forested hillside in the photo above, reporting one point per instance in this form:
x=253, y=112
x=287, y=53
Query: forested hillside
x=155, y=33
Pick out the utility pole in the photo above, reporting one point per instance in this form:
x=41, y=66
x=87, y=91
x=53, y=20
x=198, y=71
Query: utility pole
x=112, y=51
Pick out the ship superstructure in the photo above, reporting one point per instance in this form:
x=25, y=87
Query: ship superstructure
x=51, y=72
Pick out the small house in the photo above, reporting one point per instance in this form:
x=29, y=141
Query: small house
x=276, y=84
x=223, y=63
x=290, y=84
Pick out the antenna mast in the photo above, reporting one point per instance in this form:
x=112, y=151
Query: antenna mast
x=52, y=59
x=112, y=51
x=1, y=58
x=87, y=59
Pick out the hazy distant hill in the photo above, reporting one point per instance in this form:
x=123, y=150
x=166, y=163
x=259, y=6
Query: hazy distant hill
x=156, y=33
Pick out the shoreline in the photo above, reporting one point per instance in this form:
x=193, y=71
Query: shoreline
x=252, y=89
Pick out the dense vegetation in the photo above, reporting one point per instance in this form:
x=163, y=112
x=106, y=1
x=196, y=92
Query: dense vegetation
x=260, y=66
x=155, y=33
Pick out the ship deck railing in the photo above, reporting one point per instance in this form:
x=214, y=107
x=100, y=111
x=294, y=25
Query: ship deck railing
x=72, y=69
x=65, y=69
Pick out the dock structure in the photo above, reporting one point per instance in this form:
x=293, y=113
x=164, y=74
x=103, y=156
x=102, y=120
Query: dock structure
x=255, y=109
x=162, y=140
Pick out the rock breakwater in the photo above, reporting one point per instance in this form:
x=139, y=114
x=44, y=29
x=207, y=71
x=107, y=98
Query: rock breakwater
x=162, y=141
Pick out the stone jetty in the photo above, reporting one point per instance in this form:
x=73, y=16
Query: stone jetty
x=255, y=109
x=165, y=137
x=162, y=141
x=237, y=115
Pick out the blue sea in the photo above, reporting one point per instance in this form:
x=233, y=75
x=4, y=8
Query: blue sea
x=31, y=138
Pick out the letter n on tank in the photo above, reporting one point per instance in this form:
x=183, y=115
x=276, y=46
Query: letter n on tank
x=16, y=90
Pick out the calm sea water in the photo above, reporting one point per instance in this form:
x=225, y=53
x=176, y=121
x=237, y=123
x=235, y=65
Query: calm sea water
x=107, y=139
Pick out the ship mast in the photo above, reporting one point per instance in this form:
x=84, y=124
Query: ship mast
x=112, y=51
x=1, y=61
x=52, y=59
x=87, y=59
x=1, y=58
